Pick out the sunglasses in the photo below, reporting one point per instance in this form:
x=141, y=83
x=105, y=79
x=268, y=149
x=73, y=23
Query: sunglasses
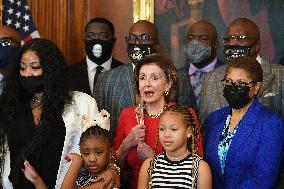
x=141, y=39
x=227, y=82
x=239, y=38
x=8, y=41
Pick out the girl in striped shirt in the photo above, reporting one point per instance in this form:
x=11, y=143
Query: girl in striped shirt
x=179, y=166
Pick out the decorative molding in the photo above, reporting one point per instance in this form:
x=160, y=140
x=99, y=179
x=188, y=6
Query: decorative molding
x=143, y=10
x=0, y=12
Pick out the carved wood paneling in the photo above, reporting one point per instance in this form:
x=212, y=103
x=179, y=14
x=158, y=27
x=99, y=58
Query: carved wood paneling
x=63, y=22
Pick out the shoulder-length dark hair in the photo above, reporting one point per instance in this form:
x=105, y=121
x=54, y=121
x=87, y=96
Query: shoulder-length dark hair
x=55, y=94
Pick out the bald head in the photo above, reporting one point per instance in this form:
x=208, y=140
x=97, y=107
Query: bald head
x=6, y=31
x=144, y=27
x=203, y=28
x=244, y=26
x=245, y=33
x=206, y=33
x=142, y=40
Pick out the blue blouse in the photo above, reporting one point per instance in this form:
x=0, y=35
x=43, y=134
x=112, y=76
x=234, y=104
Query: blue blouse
x=225, y=142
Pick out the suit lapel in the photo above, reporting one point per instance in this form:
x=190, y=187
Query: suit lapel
x=220, y=76
x=115, y=63
x=267, y=78
x=84, y=77
x=130, y=79
x=131, y=83
x=245, y=129
x=217, y=131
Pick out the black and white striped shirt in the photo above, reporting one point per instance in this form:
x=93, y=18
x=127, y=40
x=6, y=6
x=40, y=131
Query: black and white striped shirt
x=174, y=174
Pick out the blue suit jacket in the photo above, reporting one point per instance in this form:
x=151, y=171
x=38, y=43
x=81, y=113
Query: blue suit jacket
x=254, y=156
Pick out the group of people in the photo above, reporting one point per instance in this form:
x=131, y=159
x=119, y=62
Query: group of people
x=104, y=124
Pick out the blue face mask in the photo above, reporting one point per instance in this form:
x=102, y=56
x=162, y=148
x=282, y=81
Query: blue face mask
x=7, y=53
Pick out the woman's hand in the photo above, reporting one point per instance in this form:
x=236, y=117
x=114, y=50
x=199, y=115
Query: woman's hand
x=144, y=151
x=109, y=179
x=29, y=172
x=136, y=135
x=32, y=175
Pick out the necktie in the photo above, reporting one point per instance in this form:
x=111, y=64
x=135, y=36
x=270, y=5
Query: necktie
x=195, y=80
x=98, y=71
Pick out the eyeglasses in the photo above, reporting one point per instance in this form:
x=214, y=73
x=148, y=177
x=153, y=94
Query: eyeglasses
x=239, y=38
x=143, y=39
x=227, y=82
x=8, y=41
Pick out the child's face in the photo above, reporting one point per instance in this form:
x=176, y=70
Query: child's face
x=95, y=152
x=173, y=133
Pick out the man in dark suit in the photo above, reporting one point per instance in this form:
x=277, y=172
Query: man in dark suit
x=99, y=43
x=243, y=38
x=200, y=53
x=115, y=89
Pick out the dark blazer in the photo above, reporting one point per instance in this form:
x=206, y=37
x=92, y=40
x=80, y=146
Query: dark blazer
x=79, y=80
x=115, y=90
x=254, y=157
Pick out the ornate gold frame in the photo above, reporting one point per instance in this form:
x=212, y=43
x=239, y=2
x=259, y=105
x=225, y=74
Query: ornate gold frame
x=1, y=12
x=143, y=10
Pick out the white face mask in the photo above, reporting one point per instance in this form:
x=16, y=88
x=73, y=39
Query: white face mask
x=197, y=52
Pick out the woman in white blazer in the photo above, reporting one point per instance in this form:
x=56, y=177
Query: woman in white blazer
x=40, y=119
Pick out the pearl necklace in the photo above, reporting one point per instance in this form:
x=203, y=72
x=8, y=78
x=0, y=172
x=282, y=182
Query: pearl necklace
x=35, y=103
x=177, y=158
x=157, y=114
x=36, y=100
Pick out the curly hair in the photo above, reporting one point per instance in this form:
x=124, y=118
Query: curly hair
x=56, y=94
x=168, y=68
x=248, y=64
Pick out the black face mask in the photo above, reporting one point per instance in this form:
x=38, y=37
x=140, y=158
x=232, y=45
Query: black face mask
x=99, y=51
x=136, y=52
x=234, y=51
x=7, y=53
x=237, y=96
x=32, y=84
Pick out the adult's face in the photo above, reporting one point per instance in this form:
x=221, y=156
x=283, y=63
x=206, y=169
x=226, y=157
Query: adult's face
x=142, y=40
x=30, y=65
x=98, y=31
x=242, y=34
x=99, y=42
x=142, y=33
x=201, y=43
x=11, y=35
x=203, y=33
x=9, y=43
x=239, y=88
x=153, y=84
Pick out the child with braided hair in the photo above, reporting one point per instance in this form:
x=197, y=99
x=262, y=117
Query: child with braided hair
x=179, y=166
x=96, y=152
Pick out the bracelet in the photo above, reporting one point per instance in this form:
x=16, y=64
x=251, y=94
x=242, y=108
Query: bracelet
x=112, y=158
x=115, y=167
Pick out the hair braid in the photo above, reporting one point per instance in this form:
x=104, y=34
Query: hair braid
x=190, y=120
x=96, y=131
